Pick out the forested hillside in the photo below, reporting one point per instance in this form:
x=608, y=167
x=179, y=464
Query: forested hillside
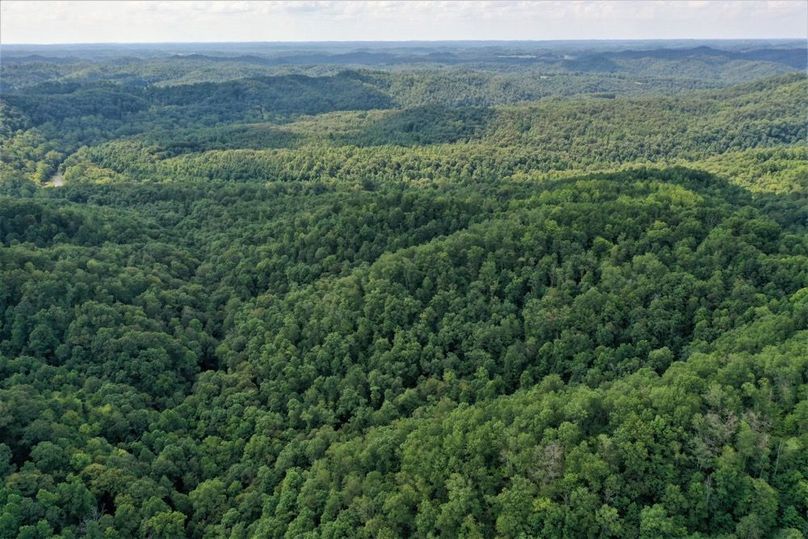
x=457, y=291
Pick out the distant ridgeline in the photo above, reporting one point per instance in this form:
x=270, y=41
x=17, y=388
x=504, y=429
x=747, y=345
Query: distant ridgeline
x=387, y=290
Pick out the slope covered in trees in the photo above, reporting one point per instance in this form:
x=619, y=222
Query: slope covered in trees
x=302, y=305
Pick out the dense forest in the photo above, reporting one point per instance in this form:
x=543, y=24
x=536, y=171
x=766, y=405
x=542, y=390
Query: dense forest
x=448, y=290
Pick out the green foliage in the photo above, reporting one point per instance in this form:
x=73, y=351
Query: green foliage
x=781, y=170
x=258, y=308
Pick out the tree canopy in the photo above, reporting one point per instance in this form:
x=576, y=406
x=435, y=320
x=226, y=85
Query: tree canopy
x=252, y=297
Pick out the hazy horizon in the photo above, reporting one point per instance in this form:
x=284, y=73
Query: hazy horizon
x=405, y=41
x=165, y=22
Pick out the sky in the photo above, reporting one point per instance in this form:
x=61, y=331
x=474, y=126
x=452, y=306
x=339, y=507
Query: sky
x=230, y=21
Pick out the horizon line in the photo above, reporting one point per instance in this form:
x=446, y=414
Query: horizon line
x=563, y=40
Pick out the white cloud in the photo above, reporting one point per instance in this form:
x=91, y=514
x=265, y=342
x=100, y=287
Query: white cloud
x=161, y=21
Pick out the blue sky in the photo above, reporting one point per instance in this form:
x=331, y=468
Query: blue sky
x=198, y=21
